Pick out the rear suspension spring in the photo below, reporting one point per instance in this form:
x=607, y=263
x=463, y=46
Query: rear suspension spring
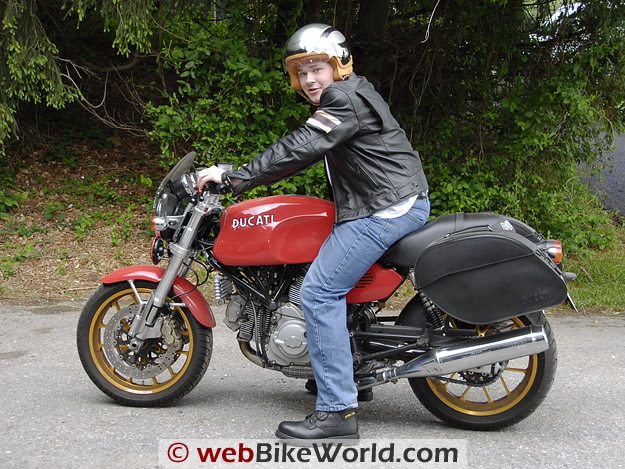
x=432, y=312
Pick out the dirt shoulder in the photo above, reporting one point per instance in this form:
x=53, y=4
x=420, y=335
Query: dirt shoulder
x=82, y=214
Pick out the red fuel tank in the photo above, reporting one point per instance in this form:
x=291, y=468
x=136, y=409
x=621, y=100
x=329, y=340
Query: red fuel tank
x=281, y=229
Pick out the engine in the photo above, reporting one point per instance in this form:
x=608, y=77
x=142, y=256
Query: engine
x=287, y=343
x=284, y=330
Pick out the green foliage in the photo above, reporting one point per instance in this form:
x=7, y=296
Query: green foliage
x=132, y=21
x=555, y=203
x=504, y=120
x=599, y=275
x=10, y=198
x=83, y=224
x=55, y=211
x=93, y=192
x=501, y=103
x=9, y=264
x=61, y=154
x=231, y=102
x=32, y=67
x=124, y=223
x=145, y=181
x=28, y=66
x=575, y=216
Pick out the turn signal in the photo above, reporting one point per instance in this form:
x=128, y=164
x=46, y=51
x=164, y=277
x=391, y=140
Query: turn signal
x=158, y=224
x=553, y=248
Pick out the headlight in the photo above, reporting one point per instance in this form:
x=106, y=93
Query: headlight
x=166, y=205
x=184, y=186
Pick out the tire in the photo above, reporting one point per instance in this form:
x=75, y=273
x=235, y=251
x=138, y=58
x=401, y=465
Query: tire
x=497, y=400
x=157, y=374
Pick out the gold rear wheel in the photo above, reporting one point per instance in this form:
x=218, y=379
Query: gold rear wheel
x=493, y=396
x=489, y=390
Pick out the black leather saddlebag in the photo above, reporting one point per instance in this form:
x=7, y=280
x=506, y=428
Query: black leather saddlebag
x=485, y=276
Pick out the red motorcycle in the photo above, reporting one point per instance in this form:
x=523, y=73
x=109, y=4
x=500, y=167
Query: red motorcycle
x=473, y=341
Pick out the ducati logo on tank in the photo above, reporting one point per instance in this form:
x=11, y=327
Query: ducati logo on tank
x=252, y=220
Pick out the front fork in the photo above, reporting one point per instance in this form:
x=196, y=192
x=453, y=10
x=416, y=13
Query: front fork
x=147, y=321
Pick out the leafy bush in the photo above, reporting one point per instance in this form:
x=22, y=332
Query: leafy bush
x=231, y=103
x=10, y=198
x=8, y=202
x=502, y=110
x=561, y=207
x=508, y=132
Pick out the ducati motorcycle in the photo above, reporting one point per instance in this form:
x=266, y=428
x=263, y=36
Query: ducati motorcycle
x=473, y=341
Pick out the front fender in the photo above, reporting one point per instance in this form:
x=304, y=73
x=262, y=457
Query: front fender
x=187, y=292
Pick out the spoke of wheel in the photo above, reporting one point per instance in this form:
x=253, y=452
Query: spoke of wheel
x=517, y=370
x=447, y=382
x=490, y=401
x=154, y=381
x=505, y=386
x=465, y=392
x=171, y=371
x=116, y=304
x=184, y=352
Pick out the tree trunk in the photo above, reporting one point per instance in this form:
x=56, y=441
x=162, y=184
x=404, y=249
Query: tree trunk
x=369, y=46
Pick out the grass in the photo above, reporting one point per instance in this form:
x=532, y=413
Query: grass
x=10, y=263
x=600, y=280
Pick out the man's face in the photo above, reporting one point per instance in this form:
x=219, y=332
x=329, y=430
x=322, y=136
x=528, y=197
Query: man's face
x=314, y=77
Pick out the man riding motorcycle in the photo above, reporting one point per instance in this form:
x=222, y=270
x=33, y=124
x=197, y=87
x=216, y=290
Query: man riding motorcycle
x=380, y=192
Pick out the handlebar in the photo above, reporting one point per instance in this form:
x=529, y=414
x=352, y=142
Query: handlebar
x=214, y=188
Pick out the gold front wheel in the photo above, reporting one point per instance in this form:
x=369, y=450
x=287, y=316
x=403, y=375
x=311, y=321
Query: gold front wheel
x=163, y=369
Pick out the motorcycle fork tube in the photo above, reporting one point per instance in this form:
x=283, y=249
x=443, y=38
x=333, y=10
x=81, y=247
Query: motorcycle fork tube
x=180, y=252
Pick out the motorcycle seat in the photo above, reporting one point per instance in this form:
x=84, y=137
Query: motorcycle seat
x=405, y=252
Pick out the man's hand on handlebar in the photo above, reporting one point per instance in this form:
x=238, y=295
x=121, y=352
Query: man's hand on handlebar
x=212, y=174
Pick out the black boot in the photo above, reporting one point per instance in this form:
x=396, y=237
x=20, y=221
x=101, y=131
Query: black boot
x=321, y=426
x=364, y=395
x=311, y=386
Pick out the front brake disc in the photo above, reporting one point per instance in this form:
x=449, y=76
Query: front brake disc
x=149, y=361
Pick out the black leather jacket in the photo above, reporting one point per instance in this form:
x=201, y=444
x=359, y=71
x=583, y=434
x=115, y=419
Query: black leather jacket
x=371, y=163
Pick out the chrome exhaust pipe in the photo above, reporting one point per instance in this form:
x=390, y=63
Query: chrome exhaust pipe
x=465, y=355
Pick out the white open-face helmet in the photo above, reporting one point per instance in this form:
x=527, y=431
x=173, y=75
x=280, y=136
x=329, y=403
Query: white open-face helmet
x=313, y=42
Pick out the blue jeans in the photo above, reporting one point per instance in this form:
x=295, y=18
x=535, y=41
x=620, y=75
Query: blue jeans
x=350, y=250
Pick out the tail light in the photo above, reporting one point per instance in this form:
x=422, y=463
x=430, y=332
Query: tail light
x=553, y=248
